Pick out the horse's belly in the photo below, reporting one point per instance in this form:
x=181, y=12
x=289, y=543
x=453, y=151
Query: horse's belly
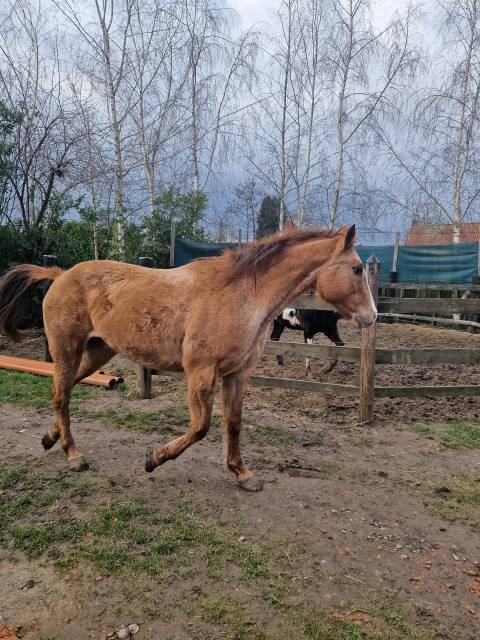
x=161, y=352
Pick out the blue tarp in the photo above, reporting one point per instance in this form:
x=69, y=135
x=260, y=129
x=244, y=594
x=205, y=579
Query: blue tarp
x=451, y=263
x=187, y=250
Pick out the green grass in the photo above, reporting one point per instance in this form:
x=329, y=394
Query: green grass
x=424, y=430
x=33, y=392
x=146, y=421
x=458, y=497
x=121, y=535
x=170, y=420
x=331, y=629
x=461, y=435
x=73, y=521
x=309, y=624
x=453, y=435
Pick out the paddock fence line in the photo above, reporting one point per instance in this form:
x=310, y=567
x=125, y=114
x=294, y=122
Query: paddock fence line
x=368, y=355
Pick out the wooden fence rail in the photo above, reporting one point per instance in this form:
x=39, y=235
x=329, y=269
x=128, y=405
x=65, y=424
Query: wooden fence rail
x=431, y=319
x=412, y=286
x=425, y=306
x=382, y=356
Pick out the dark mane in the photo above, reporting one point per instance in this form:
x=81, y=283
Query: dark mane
x=256, y=257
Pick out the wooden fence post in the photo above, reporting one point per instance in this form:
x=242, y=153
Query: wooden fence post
x=367, y=356
x=47, y=261
x=144, y=376
x=172, y=244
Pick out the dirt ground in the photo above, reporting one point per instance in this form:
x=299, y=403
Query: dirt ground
x=360, y=532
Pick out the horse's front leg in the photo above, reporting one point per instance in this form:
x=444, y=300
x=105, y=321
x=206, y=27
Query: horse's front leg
x=201, y=389
x=232, y=395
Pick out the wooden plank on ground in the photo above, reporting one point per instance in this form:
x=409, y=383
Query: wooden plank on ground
x=324, y=352
x=428, y=306
x=444, y=392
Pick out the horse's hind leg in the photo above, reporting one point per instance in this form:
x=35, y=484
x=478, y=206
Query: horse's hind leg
x=201, y=389
x=96, y=354
x=64, y=377
x=232, y=395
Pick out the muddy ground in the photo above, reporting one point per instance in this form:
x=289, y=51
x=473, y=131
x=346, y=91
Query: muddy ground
x=359, y=533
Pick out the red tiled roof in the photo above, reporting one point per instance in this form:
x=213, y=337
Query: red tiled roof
x=431, y=234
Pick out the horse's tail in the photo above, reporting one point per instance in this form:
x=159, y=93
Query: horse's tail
x=16, y=290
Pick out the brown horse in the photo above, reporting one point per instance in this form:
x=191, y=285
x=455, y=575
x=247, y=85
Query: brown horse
x=209, y=318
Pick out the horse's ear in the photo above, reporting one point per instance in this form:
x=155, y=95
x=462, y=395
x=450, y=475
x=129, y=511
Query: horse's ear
x=349, y=238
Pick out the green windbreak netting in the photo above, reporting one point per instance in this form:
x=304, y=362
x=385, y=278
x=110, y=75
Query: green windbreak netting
x=187, y=250
x=383, y=253
x=450, y=263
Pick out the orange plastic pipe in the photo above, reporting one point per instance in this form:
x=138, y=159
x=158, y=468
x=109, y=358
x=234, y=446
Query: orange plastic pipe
x=46, y=369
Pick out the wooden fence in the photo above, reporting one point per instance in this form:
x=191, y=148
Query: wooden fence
x=368, y=355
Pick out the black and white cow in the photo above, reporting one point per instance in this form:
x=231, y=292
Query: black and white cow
x=311, y=322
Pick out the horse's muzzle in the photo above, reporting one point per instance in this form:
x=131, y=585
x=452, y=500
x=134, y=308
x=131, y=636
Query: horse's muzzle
x=363, y=321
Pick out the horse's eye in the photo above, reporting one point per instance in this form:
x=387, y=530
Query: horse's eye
x=358, y=269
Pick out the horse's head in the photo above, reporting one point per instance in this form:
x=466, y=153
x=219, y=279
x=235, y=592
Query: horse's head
x=342, y=282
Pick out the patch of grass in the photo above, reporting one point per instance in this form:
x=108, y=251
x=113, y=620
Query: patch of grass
x=11, y=477
x=146, y=421
x=171, y=540
x=452, y=435
x=264, y=435
x=33, y=392
x=456, y=498
x=331, y=629
x=237, y=624
x=461, y=435
x=215, y=610
x=226, y=613
x=120, y=536
x=422, y=429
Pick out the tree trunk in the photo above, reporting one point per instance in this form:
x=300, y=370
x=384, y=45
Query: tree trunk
x=196, y=169
x=116, y=128
x=283, y=160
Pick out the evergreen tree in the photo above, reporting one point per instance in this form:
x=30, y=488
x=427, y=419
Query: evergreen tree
x=268, y=217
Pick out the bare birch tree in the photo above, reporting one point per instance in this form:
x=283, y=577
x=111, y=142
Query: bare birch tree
x=220, y=66
x=437, y=145
x=368, y=67
x=107, y=41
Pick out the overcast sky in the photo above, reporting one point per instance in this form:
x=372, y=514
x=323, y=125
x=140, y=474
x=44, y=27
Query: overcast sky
x=253, y=11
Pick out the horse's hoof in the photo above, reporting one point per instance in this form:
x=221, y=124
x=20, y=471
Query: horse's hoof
x=150, y=462
x=78, y=464
x=251, y=484
x=47, y=442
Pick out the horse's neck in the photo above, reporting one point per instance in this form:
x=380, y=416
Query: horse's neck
x=292, y=275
